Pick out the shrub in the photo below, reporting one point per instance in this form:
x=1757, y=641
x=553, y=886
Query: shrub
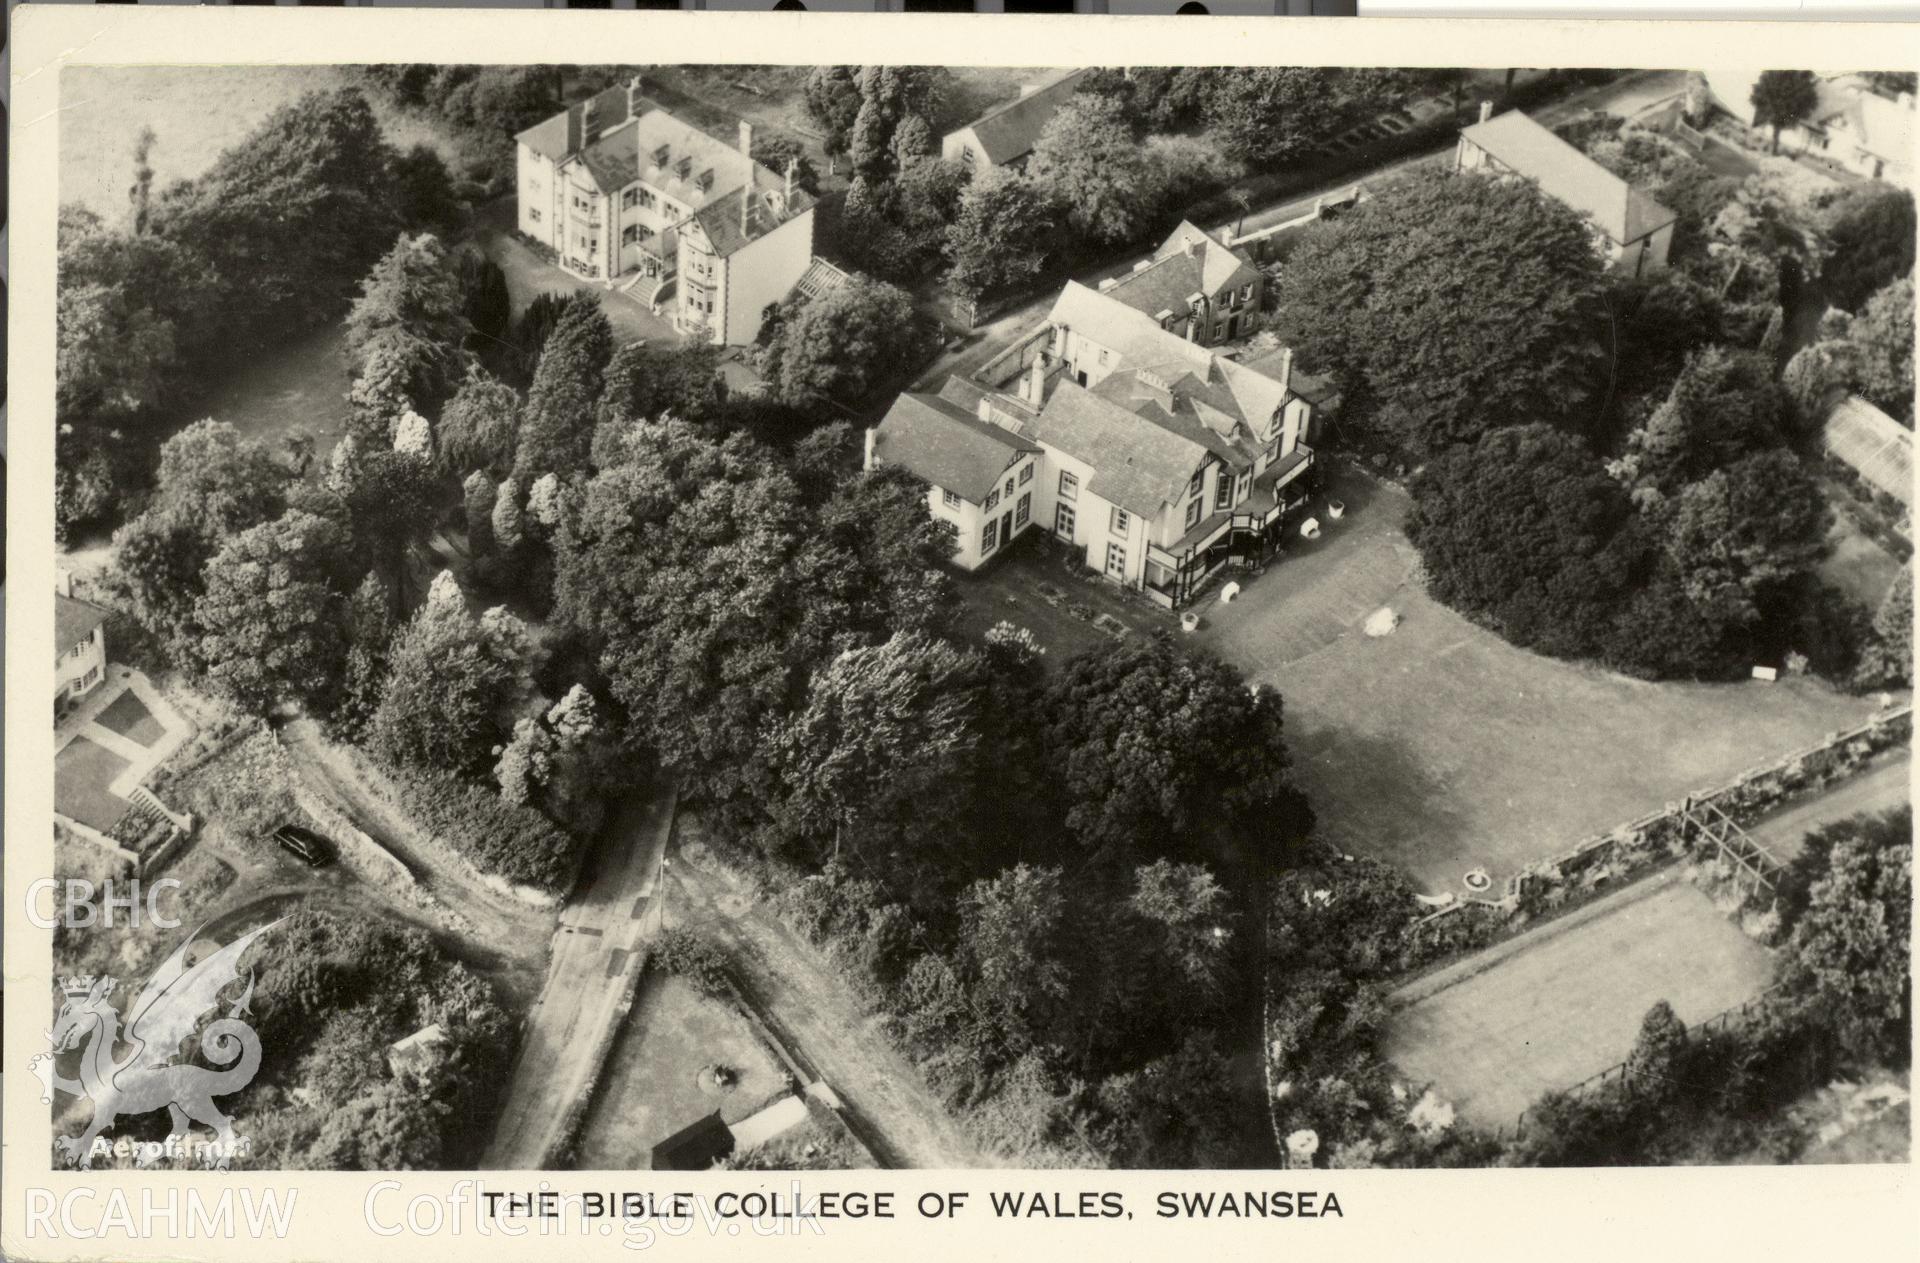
x=687, y=953
x=498, y=838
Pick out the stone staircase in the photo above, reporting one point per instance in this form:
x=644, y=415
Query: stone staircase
x=648, y=290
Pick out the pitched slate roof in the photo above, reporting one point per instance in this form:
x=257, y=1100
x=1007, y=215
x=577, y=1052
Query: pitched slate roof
x=618, y=159
x=946, y=445
x=1134, y=335
x=1009, y=132
x=1137, y=463
x=721, y=217
x=1175, y=273
x=560, y=135
x=73, y=622
x=1569, y=176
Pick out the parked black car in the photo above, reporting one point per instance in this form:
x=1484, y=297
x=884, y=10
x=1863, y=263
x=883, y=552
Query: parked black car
x=304, y=845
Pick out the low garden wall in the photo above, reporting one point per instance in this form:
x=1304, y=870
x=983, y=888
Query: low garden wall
x=1599, y=864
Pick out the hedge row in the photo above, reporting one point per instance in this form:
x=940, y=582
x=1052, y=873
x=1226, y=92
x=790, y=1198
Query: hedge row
x=497, y=837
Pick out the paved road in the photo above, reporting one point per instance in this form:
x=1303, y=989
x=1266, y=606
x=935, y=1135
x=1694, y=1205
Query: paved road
x=1887, y=786
x=592, y=964
x=1565, y=1001
x=1624, y=96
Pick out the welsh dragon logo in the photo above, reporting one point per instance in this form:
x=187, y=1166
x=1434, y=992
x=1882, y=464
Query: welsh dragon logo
x=150, y=1075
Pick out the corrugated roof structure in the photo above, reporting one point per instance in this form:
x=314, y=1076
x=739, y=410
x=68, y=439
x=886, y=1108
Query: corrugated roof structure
x=1569, y=176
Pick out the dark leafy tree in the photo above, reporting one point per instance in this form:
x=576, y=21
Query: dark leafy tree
x=1157, y=748
x=290, y=218
x=1525, y=530
x=646, y=383
x=370, y=627
x=535, y=326
x=1000, y=239
x=1887, y=661
x=844, y=344
x=158, y=560
x=268, y=621
x=450, y=675
x=1871, y=243
x=412, y=307
x=1088, y=160
x=1723, y=406
x=479, y=426
x=1755, y=525
x=1175, y=1112
x=1850, y=954
x=1460, y=303
x=556, y=426
x=1272, y=114
x=485, y=300
x=1783, y=98
x=833, y=102
x=1659, y=1054
x=423, y=190
x=216, y=481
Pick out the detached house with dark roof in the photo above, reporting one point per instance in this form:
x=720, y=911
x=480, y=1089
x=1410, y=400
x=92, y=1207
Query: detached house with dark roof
x=1631, y=230
x=626, y=194
x=1194, y=285
x=979, y=476
x=1004, y=136
x=1156, y=459
x=80, y=648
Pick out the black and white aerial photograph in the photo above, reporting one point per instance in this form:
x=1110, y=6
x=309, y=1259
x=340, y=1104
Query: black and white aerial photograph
x=834, y=618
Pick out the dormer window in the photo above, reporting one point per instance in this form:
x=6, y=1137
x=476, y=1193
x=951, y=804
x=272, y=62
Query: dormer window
x=660, y=156
x=683, y=168
x=706, y=179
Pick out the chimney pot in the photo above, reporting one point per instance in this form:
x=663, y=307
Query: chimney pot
x=1486, y=110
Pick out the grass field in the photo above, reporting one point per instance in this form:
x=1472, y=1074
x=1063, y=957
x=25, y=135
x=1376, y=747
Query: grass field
x=1570, y=1006
x=81, y=773
x=129, y=716
x=652, y=1085
x=1442, y=748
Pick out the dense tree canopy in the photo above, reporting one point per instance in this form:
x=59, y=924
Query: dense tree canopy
x=450, y=677
x=1268, y=115
x=557, y=424
x=268, y=621
x=1850, y=953
x=1722, y=406
x=1001, y=237
x=1157, y=748
x=1452, y=304
x=1088, y=160
x=291, y=217
x=843, y=344
x=411, y=308
x=1871, y=244
x=1525, y=529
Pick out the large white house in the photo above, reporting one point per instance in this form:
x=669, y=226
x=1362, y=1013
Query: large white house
x=626, y=194
x=1158, y=460
x=1851, y=123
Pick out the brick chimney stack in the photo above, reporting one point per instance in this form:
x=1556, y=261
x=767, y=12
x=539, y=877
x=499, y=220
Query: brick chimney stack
x=746, y=192
x=633, y=97
x=1486, y=110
